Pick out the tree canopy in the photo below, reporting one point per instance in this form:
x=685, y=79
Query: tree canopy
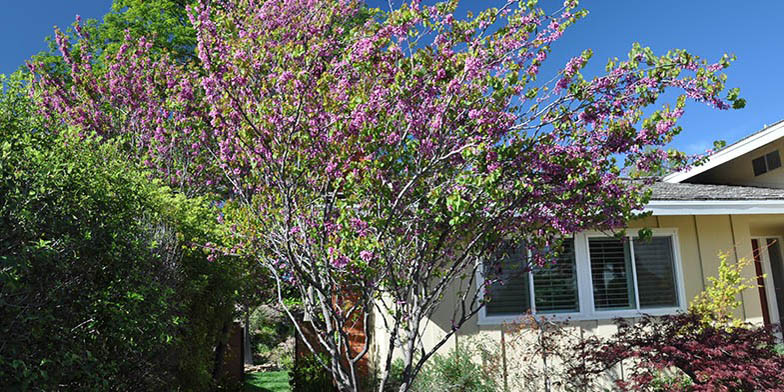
x=373, y=160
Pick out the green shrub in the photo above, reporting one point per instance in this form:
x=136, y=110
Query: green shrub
x=717, y=305
x=101, y=285
x=675, y=381
x=395, y=378
x=287, y=362
x=454, y=372
x=269, y=331
x=88, y=294
x=309, y=376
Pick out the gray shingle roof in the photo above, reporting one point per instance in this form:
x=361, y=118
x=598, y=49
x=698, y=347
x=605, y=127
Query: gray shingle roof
x=685, y=191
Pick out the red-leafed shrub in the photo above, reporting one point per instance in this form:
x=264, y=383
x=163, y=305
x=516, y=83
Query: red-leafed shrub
x=696, y=356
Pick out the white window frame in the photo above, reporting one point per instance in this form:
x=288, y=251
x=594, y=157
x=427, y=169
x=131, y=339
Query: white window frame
x=585, y=285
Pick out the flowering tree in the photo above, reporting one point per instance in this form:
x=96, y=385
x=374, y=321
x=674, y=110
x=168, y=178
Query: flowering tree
x=150, y=101
x=372, y=160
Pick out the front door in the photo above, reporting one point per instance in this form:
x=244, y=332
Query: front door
x=769, y=261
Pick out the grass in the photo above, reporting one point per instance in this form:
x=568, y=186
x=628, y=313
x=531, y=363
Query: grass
x=267, y=382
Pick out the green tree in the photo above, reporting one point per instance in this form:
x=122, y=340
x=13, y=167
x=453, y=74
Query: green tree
x=90, y=234
x=165, y=22
x=104, y=283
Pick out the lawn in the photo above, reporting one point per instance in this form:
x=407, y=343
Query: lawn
x=267, y=382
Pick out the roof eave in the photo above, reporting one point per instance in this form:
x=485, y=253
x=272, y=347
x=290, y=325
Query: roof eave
x=749, y=144
x=714, y=207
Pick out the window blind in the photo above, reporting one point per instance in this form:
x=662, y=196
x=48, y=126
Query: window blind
x=555, y=285
x=655, y=272
x=509, y=295
x=613, y=287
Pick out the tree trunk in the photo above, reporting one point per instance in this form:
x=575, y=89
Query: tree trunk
x=220, y=351
x=248, y=360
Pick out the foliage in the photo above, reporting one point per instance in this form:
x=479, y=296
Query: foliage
x=101, y=286
x=717, y=305
x=395, y=378
x=712, y=357
x=373, y=159
x=163, y=79
x=709, y=348
x=270, y=333
x=86, y=300
x=162, y=251
x=670, y=382
x=308, y=375
x=157, y=81
x=165, y=22
x=454, y=372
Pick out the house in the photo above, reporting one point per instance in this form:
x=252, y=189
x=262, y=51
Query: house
x=733, y=203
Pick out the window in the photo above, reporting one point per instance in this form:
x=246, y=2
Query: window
x=766, y=163
x=594, y=277
x=773, y=160
x=510, y=294
x=624, y=270
x=611, y=273
x=655, y=265
x=554, y=286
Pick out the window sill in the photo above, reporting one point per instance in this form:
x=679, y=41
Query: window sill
x=567, y=317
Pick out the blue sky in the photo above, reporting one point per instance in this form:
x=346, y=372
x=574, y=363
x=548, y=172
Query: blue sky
x=708, y=28
x=25, y=24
